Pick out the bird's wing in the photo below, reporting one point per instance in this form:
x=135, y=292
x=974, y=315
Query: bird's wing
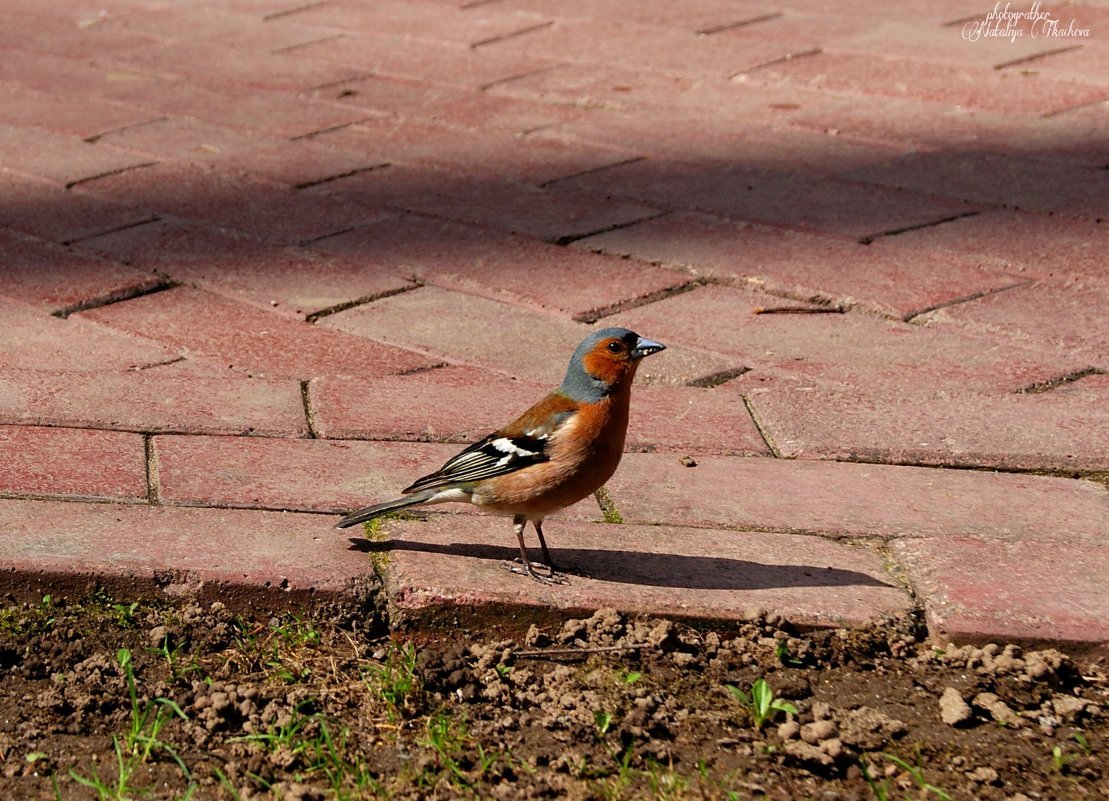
x=522, y=443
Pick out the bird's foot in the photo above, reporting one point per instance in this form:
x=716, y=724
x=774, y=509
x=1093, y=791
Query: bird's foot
x=542, y=573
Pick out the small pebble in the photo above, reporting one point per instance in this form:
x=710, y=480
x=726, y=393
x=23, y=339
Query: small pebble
x=953, y=709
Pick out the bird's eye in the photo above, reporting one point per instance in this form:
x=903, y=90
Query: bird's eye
x=615, y=347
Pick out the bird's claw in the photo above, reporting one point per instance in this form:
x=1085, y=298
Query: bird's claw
x=544, y=575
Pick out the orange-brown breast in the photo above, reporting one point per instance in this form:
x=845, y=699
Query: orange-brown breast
x=584, y=456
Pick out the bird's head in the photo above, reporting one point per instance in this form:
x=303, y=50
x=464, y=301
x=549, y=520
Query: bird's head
x=605, y=359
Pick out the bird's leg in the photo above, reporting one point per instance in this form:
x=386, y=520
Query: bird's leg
x=519, y=523
x=543, y=544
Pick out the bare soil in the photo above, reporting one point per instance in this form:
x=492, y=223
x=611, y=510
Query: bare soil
x=327, y=704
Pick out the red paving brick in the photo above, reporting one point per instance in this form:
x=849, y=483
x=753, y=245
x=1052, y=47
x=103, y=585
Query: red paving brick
x=1050, y=592
x=396, y=57
x=951, y=84
x=1036, y=431
x=81, y=117
x=1032, y=245
x=33, y=339
x=1001, y=180
x=1070, y=317
x=850, y=500
x=411, y=407
x=801, y=265
x=458, y=563
x=491, y=155
x=699, y=134
x=308, y=475
x=249, y=339
x=182, y=139
x=241, y=108
x=855, y=349
x=90, y=37
x=780, y=198
x=264, y=209
x=72, y=462
x=64, y=159
x=581, y=285
x=644, y=47
x=457, y=327
x=715, y=141
x=453, y=105
x=46, y=210
x=74, y=547
x=1079, y=135
x=432, y=21
x=692, y=16
x=153, y=400
x=57, y=280
x=286, y=280
x=217, y=63
x=555, y=214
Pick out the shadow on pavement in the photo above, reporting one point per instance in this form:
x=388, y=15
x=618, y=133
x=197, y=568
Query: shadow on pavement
x=651, y=569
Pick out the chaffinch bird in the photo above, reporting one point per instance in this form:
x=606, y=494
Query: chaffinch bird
x=560, y=450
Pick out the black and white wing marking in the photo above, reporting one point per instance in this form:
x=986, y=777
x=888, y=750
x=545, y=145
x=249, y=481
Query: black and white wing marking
x=493, y=456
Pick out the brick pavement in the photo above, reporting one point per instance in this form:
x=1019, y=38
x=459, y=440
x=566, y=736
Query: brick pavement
x=263, y=262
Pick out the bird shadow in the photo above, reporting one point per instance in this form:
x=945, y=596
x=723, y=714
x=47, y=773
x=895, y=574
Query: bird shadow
x=651, y=569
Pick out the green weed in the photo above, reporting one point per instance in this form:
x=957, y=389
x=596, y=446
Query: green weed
x=136, y=745
x=395, y=680
x=915, y=772
x=760, y=702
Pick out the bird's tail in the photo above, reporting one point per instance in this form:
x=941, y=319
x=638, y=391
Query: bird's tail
x=370, y=512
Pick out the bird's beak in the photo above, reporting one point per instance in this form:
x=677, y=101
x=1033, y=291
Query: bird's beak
x=645, y=347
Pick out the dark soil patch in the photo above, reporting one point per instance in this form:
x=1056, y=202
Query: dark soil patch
x=323, y=706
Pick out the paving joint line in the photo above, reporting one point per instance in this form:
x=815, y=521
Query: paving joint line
x=150, y=459
x=157, y=285
x=309, y=416
x=713, y=380
x=899, y=574
x=303, y=243
x=763, y=432
x=94, y=138
x=1057, y=112
x=1051, y=383
x=7, y=495
x=568, y=239
x=427, y=368
x=591, y=170
x=109, y=173
x=153, y=218
x=731, y=26
x=961, y=21
x=294, y=47
x=350, y=304
x=329, y=129
x=870, y=238
x=486, y=86
x=294, y=10
x=347, y=174
x=985, y=293
x=607, y=503
x=593, y=315
x=1036, y=57
x=331, y=84
x=741, y=75
x=1097, y=474
x=505, y=36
